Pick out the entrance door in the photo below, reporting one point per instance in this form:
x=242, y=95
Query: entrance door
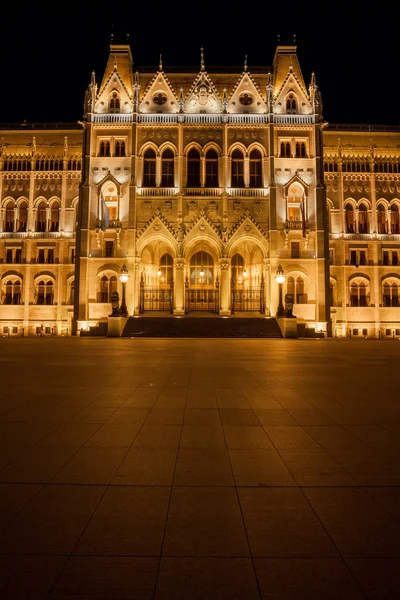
x=202, y=288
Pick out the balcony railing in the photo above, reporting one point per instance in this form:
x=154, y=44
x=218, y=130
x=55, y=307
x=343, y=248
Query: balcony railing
x=161, y=191
x=201, y=118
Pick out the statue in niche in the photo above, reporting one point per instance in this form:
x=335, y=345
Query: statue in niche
x=116, y=312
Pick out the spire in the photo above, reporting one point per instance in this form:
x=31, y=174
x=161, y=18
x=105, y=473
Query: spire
x=181, y=100
x=202, y=67
x=270, y=94
x=224, y=101
x=136, y=87
x=160, y=63
x=245, y=62
x=65, y=150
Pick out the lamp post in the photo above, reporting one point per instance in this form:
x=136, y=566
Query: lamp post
x=123, y=277
x=280, y=280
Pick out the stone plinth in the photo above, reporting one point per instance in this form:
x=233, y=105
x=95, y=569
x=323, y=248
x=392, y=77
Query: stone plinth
x=116, y=326
x=288, y=327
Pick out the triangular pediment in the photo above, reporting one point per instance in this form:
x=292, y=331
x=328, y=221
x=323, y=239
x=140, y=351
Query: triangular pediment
x=202, y=227
x=245, y=227
x=159, y=96
x=157, y=225
x=109, y=178
x=246, y=97
x=292, y=85
x=203, y=96
x=114, y=85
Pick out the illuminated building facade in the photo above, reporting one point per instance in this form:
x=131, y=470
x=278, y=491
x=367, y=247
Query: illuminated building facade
x=201, y=184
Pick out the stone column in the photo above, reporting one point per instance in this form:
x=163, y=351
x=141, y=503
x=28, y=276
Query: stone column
x=179, y=286
x=224, y=289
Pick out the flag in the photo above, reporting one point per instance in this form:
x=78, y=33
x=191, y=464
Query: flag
x=105, y=214
x=303, y=218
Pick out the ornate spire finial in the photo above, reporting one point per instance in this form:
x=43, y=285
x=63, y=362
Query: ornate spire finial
x=202, y=67
x=181, y=100
x=224, y=101
x=291, y=67
x=160, y=63
x=245, y=62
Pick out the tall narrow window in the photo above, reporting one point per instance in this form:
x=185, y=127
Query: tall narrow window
x=105, y=148
x=394, y=219
x=295, y=249
x=211, y=168
x=167, y=168
x=285, y=150
x=115, y=103
x=301, y=151
x=362, y=219
x=109, y=248
x=237, y=268
x=237, y=179
x=166, y=269
x=201, y=269
x=41, y=217
x=350, y=228
x=193, y=168
x=120, y=148
x=291, y=104
x=381, y=217
x=49, y=292
x=9, y=223
x=255, y=169
x=149, y=168
x=23, y=217
x=54, y=217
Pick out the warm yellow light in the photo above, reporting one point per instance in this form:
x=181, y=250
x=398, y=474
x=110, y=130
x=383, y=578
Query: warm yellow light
x=123, y=276
x=159, y=272
x=244, y=272
x=201, y=272
x=280, y=276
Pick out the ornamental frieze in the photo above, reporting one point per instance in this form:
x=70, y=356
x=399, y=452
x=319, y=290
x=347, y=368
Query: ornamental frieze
x=246, y=136
x=157, y=135
x=203, y=135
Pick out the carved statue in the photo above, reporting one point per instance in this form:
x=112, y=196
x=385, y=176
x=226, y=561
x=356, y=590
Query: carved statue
x=116, y=312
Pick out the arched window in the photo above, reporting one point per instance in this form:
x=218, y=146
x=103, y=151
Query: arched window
x=167, y=168
x=301, y=150
x=12, y=292
x=105, y=148
x=238, y=269
x=381, y=218
x=358, y=294
x=54, y=216
x=362, y=219
x=237, y=177
x=149, y=168
x=296, y=288
x=332, y=294
x=23, y=217
x=107, y=287
x=295, y=204
x=394, y=219
x=71, y=292
x=350, y=225
x=41, y=217
x=291, y=105
x=193, y=168
x=45, y=292
x=166, y=269
x=255, y=169
x=115, y=103
x=211, y=168
x=201, y=269
x=120, y=148
x=286, y=151
x=10, y=216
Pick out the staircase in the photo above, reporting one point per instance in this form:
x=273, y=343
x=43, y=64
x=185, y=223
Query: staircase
x=202, y=327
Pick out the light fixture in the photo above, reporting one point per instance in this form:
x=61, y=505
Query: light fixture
x=123, y=277
x=201, y=272
x=159, y=272
x=280, y=280
x=244, y=273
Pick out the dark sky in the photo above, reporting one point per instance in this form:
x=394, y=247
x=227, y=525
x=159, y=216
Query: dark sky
x=47, y=59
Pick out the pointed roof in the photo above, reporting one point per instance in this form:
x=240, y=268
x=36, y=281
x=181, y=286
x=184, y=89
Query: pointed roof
x=120, y=60
x=285, y=62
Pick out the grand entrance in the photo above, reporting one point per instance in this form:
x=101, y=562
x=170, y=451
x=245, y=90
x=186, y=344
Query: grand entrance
x=159, y=297
x=201, y=286
x=247, y=295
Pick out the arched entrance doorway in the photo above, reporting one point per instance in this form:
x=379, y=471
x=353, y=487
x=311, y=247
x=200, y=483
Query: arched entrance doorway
x=202, y=284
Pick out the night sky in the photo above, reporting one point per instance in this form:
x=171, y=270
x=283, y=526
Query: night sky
x=47, y=60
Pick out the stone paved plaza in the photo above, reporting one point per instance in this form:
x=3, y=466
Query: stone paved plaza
x=174, y=469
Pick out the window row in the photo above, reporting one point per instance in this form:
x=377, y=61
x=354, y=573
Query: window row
x=363, y=167
x=45, y=255
x=56, y=164
x=356, y=221
x=46, y=219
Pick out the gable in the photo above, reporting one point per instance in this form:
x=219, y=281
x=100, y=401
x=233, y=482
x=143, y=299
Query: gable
x=203, y=97
x=246, y=97
x=159, y=97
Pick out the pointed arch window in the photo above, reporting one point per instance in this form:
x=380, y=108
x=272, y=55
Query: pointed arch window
x=105, y=148
x=115, y=103
x=120, y=148
x=193, y=168
x=201, y=269
x=394, y=219
x=149, y=168
x=23, y=217
x=296, y=288
x=362, y=219
x=54, y=217
x=166, y=269
x=390, y=294
x=237, y=177
x=381, y=218
x=107, y=286
x=211, y=168
x=45, y=292
x=71, y=297
x=237, y=269
x=255, y=169
x=291, y=105
x=286, y=151
x=10, y=217
x=358, y=294
x=301, y=150
x=41, y=217
x=167, y=168
x=12, y=292
x=350, y=221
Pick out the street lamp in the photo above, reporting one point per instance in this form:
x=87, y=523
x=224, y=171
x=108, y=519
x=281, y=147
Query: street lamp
x=280, y=280
x=123, y=277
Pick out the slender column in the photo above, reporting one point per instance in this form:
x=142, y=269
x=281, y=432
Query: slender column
x=179, y=287
x=224, y=308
